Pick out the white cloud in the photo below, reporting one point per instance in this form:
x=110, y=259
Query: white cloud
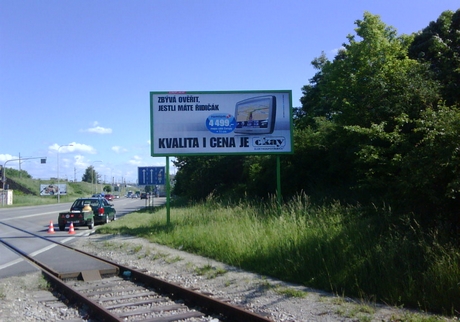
x=119, y=149
x=98, y=129
x=81, y=162
x=136, y=160
x=73, y=147
x=6, y=157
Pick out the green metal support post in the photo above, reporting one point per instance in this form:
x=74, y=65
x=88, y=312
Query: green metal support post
x=168, y=192
x=278, y=180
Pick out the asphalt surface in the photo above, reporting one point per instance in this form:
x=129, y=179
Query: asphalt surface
x=15, y=222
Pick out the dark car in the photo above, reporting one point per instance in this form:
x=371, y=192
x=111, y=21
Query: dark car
x=102, y=212
x=143, y=195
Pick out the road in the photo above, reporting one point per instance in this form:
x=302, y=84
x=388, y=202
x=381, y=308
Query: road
x=37, y=219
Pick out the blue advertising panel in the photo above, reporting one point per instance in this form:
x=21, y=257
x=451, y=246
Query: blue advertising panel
x=151, y=176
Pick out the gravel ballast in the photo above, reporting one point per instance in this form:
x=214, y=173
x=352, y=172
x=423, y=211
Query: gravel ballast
x=23, y=298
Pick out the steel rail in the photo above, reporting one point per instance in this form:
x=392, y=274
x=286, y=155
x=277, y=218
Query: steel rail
x=189, y=296
x=207, y=303
x=69, y=292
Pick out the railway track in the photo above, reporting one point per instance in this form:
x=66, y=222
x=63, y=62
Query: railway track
x=129, y=294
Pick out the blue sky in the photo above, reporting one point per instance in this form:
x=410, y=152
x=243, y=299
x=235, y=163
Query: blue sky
x=79, y=72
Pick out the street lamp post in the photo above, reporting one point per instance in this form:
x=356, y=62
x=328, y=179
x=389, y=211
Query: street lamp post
x=59, y=190
x=92, y=177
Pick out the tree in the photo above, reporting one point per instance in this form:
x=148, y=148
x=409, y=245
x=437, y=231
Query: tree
x=323, y=163
x=418, y=171
x=107, y=188
x=314, y=104
x=13, y=173
x=198, y=176
x=90, y=175
x=372, y=80
x=438, y=45
x=387, y=128
x=433, y=166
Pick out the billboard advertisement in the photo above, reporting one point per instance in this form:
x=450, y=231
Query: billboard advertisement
x=53, y=189
x=216, y=123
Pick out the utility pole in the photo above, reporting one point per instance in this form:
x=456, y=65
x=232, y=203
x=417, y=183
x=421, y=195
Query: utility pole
x=43, y=160
x=59, y=190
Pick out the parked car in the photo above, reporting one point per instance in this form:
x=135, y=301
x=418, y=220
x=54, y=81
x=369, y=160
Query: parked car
x=109, y=197
x=143, y=195
x=101, y=212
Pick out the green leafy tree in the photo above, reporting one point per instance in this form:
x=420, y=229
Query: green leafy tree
x=198, y=176
x=107, y=188
x=13, y=173
x=260, y=175
x=387, y=129
x=90, y=175
x=438, y=45
x=433, y=165
x=323, y=163
x=418, y=171
x=372, y=80
x=314, y=104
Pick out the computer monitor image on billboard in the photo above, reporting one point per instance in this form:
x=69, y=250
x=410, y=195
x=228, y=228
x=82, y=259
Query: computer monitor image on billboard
x=256, y=115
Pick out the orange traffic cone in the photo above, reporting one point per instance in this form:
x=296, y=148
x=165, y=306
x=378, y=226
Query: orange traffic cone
x=71, y=230
x=51, y=228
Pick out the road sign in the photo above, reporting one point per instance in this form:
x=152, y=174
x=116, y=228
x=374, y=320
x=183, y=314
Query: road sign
x=151, y=176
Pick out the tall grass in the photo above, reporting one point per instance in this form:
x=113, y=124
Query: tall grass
x=348, y=250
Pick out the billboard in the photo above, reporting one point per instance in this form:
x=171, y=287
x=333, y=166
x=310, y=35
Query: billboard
x=151, y=176
x=53, y=189
x=224, y=122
